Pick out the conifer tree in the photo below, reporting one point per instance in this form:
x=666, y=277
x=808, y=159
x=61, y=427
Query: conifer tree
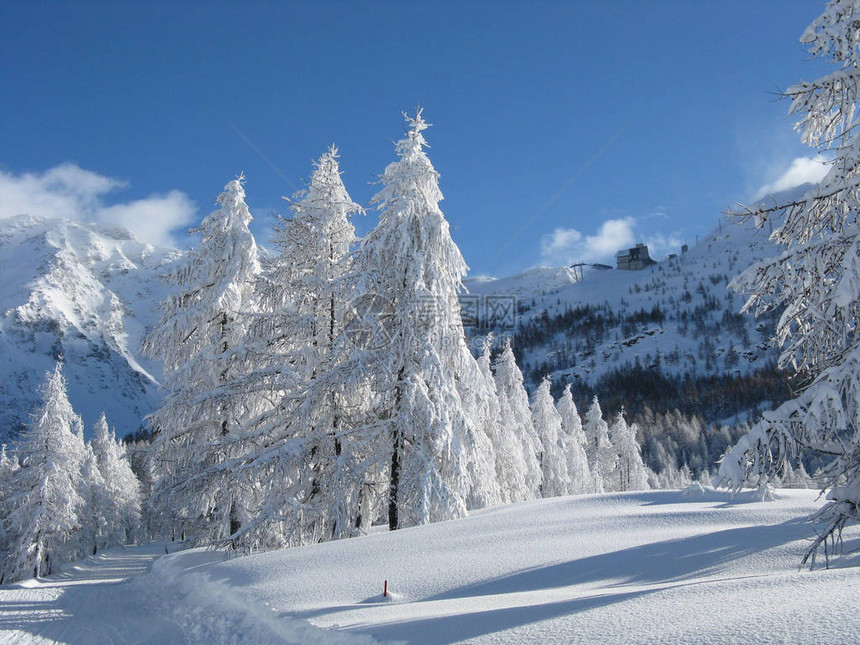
x=601, y=457
x=8, y=466
x=815, y=282
x=521, y=464
x=574, y=443
x=424, y=431
x=309, y=460
x=199, y=342
x=96, y=524
x=122, y=508
x=490, y=469
x=44, y=502
x=630, y=472
x=547, y=422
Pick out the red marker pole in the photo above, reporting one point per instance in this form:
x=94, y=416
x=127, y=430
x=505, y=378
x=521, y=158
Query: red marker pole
x=385, y=590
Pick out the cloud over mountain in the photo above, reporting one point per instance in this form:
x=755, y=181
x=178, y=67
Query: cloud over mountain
x=70, y=192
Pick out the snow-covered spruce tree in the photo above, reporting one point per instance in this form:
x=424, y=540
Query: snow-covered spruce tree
x=122, y=509
x=521, y=446
x=8, y=466
x=308, y=457
x=423, y=428
x=199, y=340
x=94, y=513
x=574, y=442
x=630, y=472
x=45, y=507
x=815, y=281
x=547, y=422
x=601, y=457
x=490, y=465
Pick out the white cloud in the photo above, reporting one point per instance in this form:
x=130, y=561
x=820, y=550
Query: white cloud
x=660, y=244
x=70, y=192
x=154, y=218
x=803, y=170
x=567, y=245
x=560, y=242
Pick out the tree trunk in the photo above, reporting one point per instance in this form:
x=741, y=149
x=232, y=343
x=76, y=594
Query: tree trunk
x=393, y=520
x=397, y=448
x=235, y=525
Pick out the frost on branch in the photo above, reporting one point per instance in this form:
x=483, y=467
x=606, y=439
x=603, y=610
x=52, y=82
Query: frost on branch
x=44, y=511
x=574, y=442
x=199, y=339
x=426, y=426
x=547, y=422
x=815, y=283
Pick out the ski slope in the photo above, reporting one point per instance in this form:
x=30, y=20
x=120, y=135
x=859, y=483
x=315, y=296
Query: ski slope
x=662, y=566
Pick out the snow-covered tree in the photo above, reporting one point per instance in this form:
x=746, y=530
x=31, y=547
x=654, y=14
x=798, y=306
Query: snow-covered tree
x=490, y=466
x=630, y=473
x=547, y=423
x=815, y=282
x=521, y=447
x=574, y=442
x=423, y=429
x=122, y=510
x=44, y=518
x=8, y=466
x=309, y=461
x=94, y=515
x=601, y=457
x=199, y=340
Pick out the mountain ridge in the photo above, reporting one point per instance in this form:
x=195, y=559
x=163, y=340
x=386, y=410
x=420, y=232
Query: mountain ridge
x=84, y=294
x=89, y=293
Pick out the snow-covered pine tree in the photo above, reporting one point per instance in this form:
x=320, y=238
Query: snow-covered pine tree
x=519, y=454
x=94, y=515
x=45, y=507
x=309, y=462
x=199, y=340
x=815, y=281
x=547, y=423
x=630, y=472
x=8, y=466
x=574, y=442
x=422, y=430
x=489, y=467
x=601, y=457
x=122, y=510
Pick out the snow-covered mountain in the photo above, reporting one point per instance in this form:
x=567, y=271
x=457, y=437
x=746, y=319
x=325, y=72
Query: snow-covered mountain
x=86, y=293
x=89, y=294
x=676, y=320
x=529, y=284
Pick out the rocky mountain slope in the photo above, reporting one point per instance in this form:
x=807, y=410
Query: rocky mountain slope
x=85, y=294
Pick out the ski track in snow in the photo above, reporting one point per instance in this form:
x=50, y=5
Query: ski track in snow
x=92, y=601
x=650, y=567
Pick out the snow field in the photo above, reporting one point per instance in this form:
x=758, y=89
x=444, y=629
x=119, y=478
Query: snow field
x=630, y=567
x=650, y=567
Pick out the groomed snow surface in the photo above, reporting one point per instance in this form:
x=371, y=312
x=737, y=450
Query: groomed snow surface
x=693, y=567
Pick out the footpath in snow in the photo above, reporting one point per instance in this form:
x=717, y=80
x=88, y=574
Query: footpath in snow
x=132, y=595
x=92, y=601
x=658, y=566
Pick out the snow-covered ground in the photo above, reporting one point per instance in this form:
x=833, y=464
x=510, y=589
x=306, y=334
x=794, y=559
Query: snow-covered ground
x=635, y=567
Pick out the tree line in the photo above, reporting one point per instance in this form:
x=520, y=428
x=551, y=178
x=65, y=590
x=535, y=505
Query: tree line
x=323, y=389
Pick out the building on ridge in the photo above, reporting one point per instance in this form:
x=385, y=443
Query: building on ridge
x=634, y=259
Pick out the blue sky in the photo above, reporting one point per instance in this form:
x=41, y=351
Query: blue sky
x=140, y=112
